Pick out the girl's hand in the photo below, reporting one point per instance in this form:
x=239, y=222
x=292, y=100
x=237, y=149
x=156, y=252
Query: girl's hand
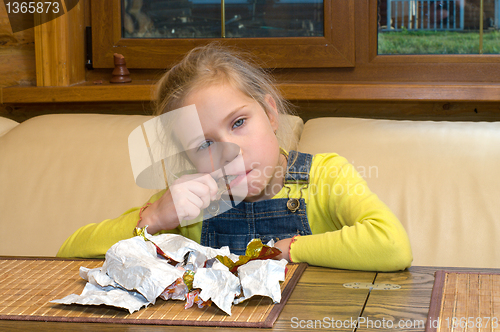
x=184, y=200
x=284, y=246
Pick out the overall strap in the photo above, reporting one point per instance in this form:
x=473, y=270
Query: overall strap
x=298, y=167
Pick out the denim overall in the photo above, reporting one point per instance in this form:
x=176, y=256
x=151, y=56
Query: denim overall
x=276, y=219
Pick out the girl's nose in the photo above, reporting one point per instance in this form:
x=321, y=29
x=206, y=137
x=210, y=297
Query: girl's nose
x=229, y=151
x=219, y=154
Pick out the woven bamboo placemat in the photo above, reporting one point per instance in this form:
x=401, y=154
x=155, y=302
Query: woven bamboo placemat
x=464, y=301
x=27, y=286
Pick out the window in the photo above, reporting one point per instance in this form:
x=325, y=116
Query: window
x=320, y=37
x=438, y=27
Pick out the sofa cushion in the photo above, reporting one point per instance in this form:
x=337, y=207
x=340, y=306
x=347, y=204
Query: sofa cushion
x=440, y=178
x=62, y=171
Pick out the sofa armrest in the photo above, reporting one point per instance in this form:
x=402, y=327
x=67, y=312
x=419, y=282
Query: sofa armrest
x=6, y=125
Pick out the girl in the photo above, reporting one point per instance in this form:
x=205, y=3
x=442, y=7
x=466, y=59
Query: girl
x=317, y=208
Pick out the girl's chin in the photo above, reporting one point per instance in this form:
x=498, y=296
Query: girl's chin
x=257, y=191
x=249, y=189
x=246, y=193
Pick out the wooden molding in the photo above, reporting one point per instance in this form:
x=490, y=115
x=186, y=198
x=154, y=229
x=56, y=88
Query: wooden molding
x=143, y=91
x=59, y=48
x=392, y=92
x=79, y=93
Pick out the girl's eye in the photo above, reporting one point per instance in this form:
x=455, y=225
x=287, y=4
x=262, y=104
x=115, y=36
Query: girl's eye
x=238, y=123
x=205, y=145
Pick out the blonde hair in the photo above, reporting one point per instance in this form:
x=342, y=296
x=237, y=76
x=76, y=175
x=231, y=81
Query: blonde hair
x=217, y=64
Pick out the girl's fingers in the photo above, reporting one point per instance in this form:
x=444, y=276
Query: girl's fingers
x=211, y=184
x=206, y=179
x=186, y=205
x=199, y=194
x=191, y=196
x=192, y=208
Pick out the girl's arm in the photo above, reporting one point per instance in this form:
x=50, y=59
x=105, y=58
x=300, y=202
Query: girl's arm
x=93, y=240
x=184, y=200
x=352, y=227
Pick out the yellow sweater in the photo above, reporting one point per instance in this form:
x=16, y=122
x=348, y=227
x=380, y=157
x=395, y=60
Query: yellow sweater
x=351, y=228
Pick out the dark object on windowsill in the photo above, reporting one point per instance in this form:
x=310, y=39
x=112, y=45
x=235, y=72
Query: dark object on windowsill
x=120, y=73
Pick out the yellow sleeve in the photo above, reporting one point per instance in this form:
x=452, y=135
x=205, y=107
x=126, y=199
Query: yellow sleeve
x=93, y=240
x=352, y=228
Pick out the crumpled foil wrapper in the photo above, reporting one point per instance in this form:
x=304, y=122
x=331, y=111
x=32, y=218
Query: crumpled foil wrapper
x=133, y=264
x=134, y=275
x=220, y=286
x=116, y=297
x=261, y=278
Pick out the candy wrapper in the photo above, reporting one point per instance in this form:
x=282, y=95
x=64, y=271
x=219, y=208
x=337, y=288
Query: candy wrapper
x=117, y=297
x=261, y=278
x=255, y=250
x=137, y=271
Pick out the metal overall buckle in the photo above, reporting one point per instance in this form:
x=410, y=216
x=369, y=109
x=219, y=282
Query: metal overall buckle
x=293, y=204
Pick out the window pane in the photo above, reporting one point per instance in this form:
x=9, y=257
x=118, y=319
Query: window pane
x=268, y=18
x=171, y=19
x=438, y=27
x=202, y=18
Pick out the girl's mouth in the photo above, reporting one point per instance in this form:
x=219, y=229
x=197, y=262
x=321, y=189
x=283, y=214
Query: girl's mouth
x=239, y=178
x=229, y=181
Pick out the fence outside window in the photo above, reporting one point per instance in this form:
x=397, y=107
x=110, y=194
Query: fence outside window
x=427, y=14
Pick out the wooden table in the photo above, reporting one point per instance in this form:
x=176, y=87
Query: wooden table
x=319, y=301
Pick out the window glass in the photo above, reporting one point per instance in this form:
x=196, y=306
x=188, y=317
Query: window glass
x=438, y=27
x=203, y=18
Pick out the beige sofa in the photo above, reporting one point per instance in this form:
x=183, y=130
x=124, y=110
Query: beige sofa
x=59, y=172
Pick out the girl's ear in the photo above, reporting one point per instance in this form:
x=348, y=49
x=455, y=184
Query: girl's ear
x=272, y=112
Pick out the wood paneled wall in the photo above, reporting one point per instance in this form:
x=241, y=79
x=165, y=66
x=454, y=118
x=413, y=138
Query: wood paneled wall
x=17, y=56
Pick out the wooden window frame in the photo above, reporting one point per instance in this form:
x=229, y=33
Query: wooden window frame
x=417, y=58
x=335, y=49
x=431, y=68
x=399, y=73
